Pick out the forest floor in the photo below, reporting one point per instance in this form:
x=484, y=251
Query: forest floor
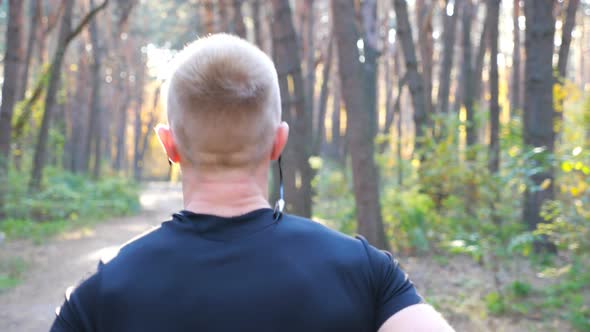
x=456, y=285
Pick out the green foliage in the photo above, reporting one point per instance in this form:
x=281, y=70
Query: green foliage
x=447, y=201
x=11, y=273
x=520, y=289
x=64, y=199
x=495, y=303
x=410, y=218
x=334, y=199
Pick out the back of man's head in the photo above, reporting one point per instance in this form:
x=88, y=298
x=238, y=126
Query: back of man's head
x=223, y=104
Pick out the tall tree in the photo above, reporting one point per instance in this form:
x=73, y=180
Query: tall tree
x=515, y=93
x=308, y=41
x=12, y=65
x=79, y=117
x=319, y=127
x=494, y=148
x=288, y=62
x=566, y=36
x=451, y=11
x=538, y=106
x=364, y=170
x=371, y=54
x=467, y=69
x=564, y=49
x=337, y=144
x=35, y=12
x=95, y=124
x=257, y=23
x=66, y=35
x=424, y=12
x=208, y=16
x=238, y=19
x=414, y=77
x=480, y=57
x=50, y=99
x=223, y=19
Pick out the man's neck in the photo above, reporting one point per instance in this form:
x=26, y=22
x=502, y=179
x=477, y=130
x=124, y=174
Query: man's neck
x=225, y=195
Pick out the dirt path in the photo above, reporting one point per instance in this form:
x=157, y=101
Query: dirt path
x=456, y=286
x=62, y=262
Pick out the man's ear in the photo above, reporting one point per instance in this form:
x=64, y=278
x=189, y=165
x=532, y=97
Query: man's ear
x=167, y=140
x=281, y=137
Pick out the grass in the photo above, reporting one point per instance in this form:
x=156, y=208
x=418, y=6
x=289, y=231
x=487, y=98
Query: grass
x=38, y=232
x=65, y=202
x=11, y=273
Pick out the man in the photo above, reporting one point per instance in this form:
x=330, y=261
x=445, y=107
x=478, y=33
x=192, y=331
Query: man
x=228, y=262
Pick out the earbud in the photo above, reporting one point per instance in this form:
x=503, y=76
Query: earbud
x=280, y=204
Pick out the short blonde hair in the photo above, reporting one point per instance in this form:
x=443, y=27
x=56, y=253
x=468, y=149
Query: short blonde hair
x=223, y=103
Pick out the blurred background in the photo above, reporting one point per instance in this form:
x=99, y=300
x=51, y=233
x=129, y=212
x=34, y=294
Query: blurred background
x=454, y=133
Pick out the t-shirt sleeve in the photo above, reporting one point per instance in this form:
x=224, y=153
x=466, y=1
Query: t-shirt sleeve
x=392, y=288
x=75, y=314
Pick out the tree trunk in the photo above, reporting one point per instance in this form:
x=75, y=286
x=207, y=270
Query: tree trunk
x=239, y=27
x=95, y=125
x=318, y=135
x=137, y=137
x=426, y=46
x=415, y=79
x=35, y=9
x=468, y=77
x=371, y=54
x=494, y=148
x=583, y=40
x=309, y=50
x=449, y=36
x=515, y=97
x=50, y=99
x=208, y=16
x=479, y=59
x=336, y=146
x=538, y=106
x=400, y=168
x=364, y=170
x=296, y=156
x=564, y=50
x=257, y=23
x=146, y=134
x=12, y=64
x=393, y=107
x=566, y=37
x=66, y=35
x=80, y=120
x=223, y=19
x=120, y=161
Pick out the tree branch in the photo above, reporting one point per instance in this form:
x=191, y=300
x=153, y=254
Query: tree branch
x=85, y=21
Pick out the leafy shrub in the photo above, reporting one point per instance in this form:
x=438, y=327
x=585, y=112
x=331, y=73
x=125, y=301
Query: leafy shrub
x=410, y=218
x=64, y=198
x=334, y=198
x=495, y=303
x=11, y=272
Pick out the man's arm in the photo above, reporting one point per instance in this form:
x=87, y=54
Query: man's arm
x=399, y=307
x=75, y=314
x=416, y=318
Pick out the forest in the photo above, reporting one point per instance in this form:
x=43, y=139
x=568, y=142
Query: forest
x=453, y=133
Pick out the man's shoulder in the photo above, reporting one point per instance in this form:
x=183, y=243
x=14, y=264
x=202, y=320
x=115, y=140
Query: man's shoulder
x=140, y=243
x=309, y=233
x=305, y=226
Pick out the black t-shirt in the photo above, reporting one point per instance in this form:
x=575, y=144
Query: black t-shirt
x=248, y=273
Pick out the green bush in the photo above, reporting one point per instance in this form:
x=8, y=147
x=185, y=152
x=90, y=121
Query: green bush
x=11, y=272
x=334, y=198
x=63, y=199
x=410, y=218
